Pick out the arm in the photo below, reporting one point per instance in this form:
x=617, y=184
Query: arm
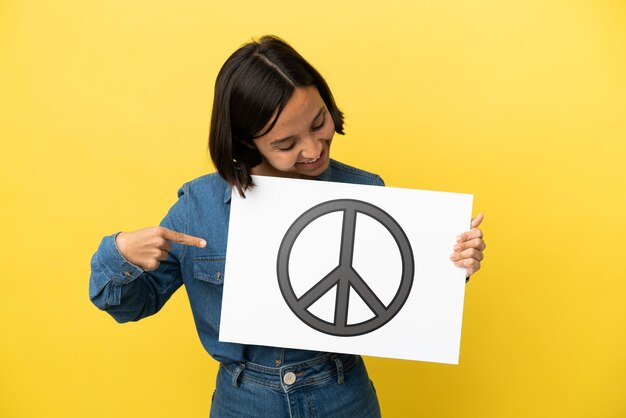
x=135, y=282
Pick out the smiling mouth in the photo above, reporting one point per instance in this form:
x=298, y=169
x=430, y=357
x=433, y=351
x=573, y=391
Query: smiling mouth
x=311, y=161
x=314, y=160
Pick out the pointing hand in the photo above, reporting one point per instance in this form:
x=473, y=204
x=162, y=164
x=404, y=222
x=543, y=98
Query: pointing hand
x=146, y=247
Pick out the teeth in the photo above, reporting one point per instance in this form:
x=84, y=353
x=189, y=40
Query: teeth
x=312, y=161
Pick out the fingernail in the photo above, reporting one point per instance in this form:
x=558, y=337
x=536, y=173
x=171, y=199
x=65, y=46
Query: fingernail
x=459, y=238
x=202, y=243
x=458, y=264
x=452, y=257
x=456, y=247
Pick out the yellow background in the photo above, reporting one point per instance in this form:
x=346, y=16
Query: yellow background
x=104, y=113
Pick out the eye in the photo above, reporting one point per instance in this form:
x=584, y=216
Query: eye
x=287, y=148
x=318, y=127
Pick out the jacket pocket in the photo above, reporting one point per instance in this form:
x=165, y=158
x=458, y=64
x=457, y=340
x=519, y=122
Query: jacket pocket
x=209, y=269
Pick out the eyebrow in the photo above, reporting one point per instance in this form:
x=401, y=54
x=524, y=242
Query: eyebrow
x=287, y=138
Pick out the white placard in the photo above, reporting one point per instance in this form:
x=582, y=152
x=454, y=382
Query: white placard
x=345, y=268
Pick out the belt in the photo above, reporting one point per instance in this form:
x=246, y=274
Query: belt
x=291, y=376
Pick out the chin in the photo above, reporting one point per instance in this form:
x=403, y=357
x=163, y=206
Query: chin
x=315, y=173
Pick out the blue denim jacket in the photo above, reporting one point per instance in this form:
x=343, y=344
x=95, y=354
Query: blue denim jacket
x=203, y=208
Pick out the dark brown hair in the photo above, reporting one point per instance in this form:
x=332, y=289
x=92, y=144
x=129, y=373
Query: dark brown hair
x=255, y=81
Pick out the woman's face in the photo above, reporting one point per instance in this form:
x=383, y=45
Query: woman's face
x=299, y=143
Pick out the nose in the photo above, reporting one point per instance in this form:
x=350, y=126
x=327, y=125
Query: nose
x=312, y=148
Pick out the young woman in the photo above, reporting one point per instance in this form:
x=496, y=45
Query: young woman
x=274, y=115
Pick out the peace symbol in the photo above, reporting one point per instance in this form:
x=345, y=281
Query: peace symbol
x=344, y=276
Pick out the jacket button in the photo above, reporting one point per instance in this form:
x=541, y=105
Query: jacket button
x=289, y=378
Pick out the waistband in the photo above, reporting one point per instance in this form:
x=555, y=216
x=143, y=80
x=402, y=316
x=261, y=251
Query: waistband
x=294, y=375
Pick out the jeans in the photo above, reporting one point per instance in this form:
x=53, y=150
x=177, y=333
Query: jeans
x=331, y=385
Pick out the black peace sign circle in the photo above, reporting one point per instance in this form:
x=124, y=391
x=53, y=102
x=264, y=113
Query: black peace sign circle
x=344, y=276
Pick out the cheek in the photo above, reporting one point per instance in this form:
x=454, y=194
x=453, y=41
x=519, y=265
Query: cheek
x=285, y=161
x=281, y=160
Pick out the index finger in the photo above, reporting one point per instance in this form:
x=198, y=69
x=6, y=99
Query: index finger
x=184, y=239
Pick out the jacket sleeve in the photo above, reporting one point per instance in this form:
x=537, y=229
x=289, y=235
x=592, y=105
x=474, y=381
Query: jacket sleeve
x=127, y=292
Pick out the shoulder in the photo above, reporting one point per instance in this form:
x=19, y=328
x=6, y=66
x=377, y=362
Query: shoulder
x=201, y=210
x=343, y=173
x=206, y=192
x=207, y=187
